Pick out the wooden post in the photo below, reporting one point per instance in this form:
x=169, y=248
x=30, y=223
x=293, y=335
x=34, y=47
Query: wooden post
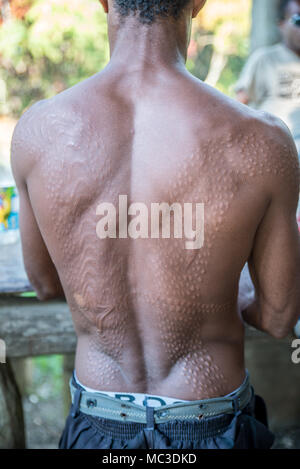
x=264, y=23
x=23, y=370
x=12, y=432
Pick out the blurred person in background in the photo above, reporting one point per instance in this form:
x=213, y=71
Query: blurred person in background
x=270, y=80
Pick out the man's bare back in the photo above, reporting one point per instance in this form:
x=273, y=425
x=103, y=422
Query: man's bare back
x=151, y=316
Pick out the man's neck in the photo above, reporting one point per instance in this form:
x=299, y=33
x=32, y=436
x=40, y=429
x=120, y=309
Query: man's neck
x=139, y=47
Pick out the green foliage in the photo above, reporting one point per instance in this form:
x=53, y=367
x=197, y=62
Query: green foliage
x=226, y=25
x=198, y=64
x=48, y=369
x=29, y=294
x=56, y=45
x=231, y=73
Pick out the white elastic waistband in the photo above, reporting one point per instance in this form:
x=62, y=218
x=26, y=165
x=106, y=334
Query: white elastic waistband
x=150, y=400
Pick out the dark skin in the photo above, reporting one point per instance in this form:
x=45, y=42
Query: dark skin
x=290, y=37
x=151, y=316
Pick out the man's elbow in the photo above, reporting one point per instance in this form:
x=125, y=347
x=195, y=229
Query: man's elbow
x=278, y=328
x=279, y=333
x=46, y=294
x=47, y=290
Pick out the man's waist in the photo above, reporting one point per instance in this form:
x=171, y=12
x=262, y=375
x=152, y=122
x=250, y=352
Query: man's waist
x=101, y=405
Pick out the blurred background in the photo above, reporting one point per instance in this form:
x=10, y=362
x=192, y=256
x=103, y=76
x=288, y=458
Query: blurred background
x=49, y=45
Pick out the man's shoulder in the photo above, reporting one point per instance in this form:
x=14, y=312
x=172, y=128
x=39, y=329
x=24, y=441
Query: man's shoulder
x=29, y=128
x=267, y=149
x=256, y=143
x=39, y=132
x=46, y=122
x=273, y=130
x=64, y=104
x=29, y=117
x=26, y=135
x=226, y=115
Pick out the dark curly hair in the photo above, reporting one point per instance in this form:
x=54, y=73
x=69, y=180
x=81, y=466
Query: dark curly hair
x=149, y=10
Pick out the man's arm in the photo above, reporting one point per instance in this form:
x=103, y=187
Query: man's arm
x=242, y=96
x=39, y=266
x=274, y=263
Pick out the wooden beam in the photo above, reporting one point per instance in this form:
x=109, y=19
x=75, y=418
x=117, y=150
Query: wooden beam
x=31, y=328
